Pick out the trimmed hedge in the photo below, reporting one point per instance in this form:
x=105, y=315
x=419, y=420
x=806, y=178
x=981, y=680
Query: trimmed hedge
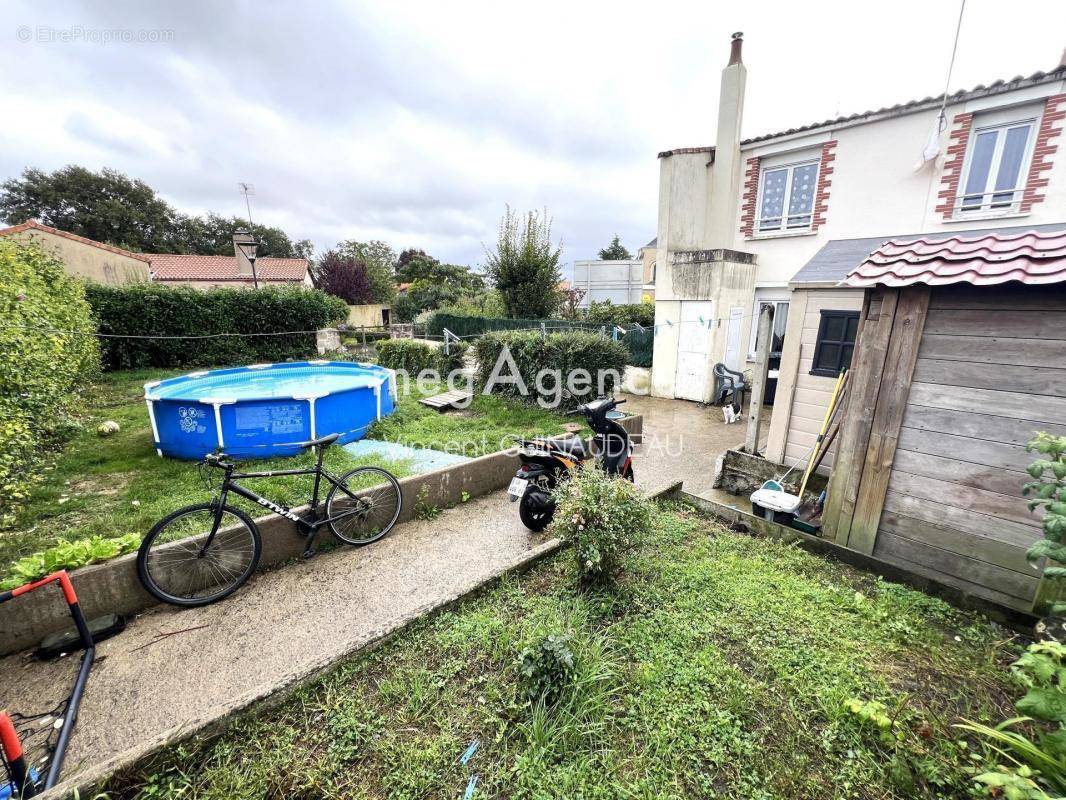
x=414, y=357
x=623, y=314
x=42, y=373
x=565, y=352
x=156, y=312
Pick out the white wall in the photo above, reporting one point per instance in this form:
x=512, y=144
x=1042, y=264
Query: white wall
x=621, y=282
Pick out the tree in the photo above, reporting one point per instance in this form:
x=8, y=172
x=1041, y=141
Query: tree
x=615, y=251
x=113, y=208
x=344, y=276
x=380, y=260
x=525, y=265
x=106, y=206
x=571, y=298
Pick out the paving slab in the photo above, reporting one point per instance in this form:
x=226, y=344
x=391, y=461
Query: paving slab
x=175, y=669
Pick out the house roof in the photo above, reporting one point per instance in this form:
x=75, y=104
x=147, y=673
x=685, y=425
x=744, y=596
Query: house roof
x=910, y=107
x=1031, y=257
x=652, y=243
x=838, y=257
x=32, y=224
x=174, y=267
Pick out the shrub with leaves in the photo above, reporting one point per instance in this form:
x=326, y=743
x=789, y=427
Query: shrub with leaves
x=1048, y=490
x=68, y=555
x=601, y=516
x=43, y=367
x=155, y=311
x=1041, y=671
x=414, y=357
x=547, y=668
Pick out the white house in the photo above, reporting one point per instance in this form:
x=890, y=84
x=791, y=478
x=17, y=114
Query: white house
x=739, y=219
x=620, y=281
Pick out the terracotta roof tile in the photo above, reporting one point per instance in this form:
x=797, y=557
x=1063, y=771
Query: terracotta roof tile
x=1031, y=257
x=174, y=267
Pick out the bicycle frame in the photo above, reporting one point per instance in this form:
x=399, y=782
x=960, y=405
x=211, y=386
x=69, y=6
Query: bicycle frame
x=308, y=527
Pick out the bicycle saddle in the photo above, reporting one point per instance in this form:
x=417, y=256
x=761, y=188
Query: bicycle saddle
x=322, y=441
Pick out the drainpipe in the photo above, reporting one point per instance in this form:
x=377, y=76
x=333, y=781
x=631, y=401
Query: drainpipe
x=726, y=173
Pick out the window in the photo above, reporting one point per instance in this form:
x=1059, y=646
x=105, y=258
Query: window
x=997, y=163
x=780, y=320
x=786, y=197
x=835, y=343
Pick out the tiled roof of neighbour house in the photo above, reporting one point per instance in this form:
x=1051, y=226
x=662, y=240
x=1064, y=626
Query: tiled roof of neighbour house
x=838, y=257
x=910, y=107
x=33, y=224
x=175, y=267
x=1030, y=257
x=652, y=243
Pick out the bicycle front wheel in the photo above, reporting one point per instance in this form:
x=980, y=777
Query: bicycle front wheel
x=177, y=565
x=364, y=505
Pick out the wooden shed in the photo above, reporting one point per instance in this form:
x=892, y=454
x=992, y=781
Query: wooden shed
x=960, y=359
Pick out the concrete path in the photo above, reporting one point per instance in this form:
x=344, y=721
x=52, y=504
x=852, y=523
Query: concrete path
x=682, y=440
x=279, y=628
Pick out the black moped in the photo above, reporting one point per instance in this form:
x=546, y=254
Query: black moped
x=548, y=462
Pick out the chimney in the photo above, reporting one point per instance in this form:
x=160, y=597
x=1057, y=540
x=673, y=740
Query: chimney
x=726, y=173
x=244, y=265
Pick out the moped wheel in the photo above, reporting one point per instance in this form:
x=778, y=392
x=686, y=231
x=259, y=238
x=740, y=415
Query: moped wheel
x=364, y=506
x=533, y=515
x=176, y=568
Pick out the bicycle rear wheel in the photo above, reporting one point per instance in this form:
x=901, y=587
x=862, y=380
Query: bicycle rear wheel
x=364, y=506
x=175, y=567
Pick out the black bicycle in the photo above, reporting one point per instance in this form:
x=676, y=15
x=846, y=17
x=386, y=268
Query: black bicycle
x=204, y=552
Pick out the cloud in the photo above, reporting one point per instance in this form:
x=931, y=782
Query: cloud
x=417, y=122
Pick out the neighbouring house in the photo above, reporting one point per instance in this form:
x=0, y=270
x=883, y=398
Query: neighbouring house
x=959, y=359
x=646, y=254
x=206, y=272
x=620, y=281
x=83, y=257
x=369, y=315
x=740, y=219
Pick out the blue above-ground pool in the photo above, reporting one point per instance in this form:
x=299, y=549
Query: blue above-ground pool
x=266, y=410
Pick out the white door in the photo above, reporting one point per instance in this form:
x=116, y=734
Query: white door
x=732, y=338
x=693, y=349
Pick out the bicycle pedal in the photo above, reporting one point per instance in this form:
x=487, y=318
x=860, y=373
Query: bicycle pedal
x=309, y=552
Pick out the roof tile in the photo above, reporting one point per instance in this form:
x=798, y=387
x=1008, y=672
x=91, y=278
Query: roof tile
x=174, y=267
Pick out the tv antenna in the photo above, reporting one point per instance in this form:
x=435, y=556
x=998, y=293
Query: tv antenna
x=247, y=189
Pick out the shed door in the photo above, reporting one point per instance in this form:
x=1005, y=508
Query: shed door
x=693, y=350
x=732, y=338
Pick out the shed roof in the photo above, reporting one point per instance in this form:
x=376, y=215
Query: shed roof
x=1031, y=257
x=838, y=257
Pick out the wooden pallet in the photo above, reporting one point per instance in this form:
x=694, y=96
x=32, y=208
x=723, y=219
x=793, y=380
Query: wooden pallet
x=442, y=402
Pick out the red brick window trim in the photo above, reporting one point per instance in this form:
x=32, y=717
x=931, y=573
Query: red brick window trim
x=750, y=197
x=825, y=181
x=958, y=141
x=1045, y=148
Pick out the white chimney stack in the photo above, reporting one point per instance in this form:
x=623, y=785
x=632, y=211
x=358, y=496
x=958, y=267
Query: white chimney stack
x=726, y=174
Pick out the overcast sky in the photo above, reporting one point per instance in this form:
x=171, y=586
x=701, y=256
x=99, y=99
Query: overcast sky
x=416, y=122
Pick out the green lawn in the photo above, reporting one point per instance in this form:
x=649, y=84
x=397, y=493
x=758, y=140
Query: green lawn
x=722, y=666
x=118, y=485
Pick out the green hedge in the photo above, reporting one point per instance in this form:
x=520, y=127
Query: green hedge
x=156, y=312
x=625, y=314
x=42, y=370
x=414, y=357
x=638, y=343
x=566, y=352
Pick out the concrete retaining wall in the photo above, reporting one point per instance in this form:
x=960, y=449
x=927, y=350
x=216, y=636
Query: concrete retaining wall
x=113, y=587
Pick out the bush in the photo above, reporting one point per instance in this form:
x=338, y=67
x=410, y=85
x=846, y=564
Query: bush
x=415, y=357
x=155, y=312
x=453, y=359
x=547, y=668
x=42, y=373
x=633, y=313
x=561, y=356
x=602, y=516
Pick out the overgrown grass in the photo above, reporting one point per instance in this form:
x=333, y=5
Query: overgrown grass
x=721, y=666
x=117, y=485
